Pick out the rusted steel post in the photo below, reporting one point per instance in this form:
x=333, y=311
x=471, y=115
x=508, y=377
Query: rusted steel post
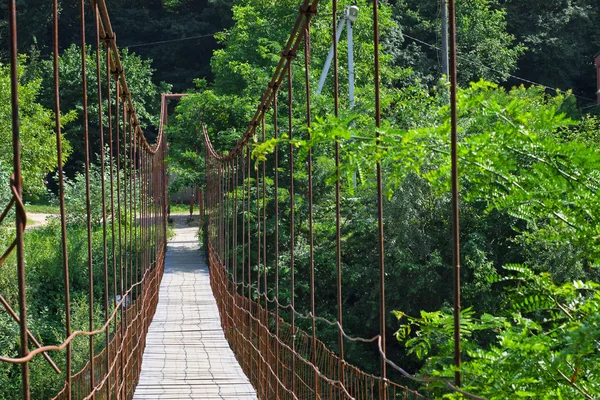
x=309, y=12
x=61, y=194
x=338, y=199
x=264, y=258
x=276, y=212
x=112, y=197
x=455, y=188
x=103, y=185
x=381, y=244
x=17, y=188
x=292, y=222
x=120, y=378
x=88, y=195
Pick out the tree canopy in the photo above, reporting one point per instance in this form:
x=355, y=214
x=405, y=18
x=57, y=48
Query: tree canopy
x=38, y=149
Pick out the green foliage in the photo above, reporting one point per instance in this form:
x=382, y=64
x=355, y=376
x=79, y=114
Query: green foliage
x=145, y=95
x=486, y=49
x=562, y=41
x=45, y=303
x=545, y=345
x=177, y=61
x=513, y=155
x=38, y=140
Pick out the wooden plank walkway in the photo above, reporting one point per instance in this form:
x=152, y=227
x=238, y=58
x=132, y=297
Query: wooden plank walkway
x=187, y=355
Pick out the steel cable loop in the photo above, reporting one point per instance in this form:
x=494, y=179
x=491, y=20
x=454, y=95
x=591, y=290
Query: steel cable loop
x=16, y=202
x=62, y=346
x=374, y=339
x=249, y=310
x=251, y=315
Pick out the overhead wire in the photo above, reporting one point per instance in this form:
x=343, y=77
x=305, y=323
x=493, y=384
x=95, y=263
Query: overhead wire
x=465, y=58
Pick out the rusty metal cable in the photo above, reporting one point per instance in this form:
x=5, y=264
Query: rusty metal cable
x=292, y=374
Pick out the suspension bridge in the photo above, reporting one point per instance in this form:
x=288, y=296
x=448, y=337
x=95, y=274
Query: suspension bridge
x=181, y=323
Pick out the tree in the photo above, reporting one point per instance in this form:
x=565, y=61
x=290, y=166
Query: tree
x=543, y=345
x=178, y=61
x=145, y=95
x=245, y=64
x=561, y=38
x=38, y=139
x=486, y=50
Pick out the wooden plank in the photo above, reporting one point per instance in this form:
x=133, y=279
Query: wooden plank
x=186, y=354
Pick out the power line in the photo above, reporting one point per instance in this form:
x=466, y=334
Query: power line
x=499, y=72
x=46, y=56
x=171, y=40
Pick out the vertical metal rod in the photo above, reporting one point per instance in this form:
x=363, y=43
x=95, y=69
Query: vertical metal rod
x=262, y=272
x=232, y=249
x=311, y=245
x=120, y=376
x=18, y=186
x=236, y=247
x=338, y=242
x=112, y=192
x=124, y=268
x=227, y=216
x=88, y=197
x=292, y=224
x=455, y=189
x=137, y=226
x=258, y=274
x=243, y=264
x=248, y=231
x=381, y=244
x=235, y=223
x=276, y=200
x=220, y=196
x=131, y=223
x=245, y=252
x=264, y=206
x=103, y=185
x=135, y=232
x=61, y=196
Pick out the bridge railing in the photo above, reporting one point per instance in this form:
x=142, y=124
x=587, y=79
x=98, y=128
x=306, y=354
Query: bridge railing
x=132, y=229
x=245, y=213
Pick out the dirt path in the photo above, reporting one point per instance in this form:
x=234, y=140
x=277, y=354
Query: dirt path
x=36, y=220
